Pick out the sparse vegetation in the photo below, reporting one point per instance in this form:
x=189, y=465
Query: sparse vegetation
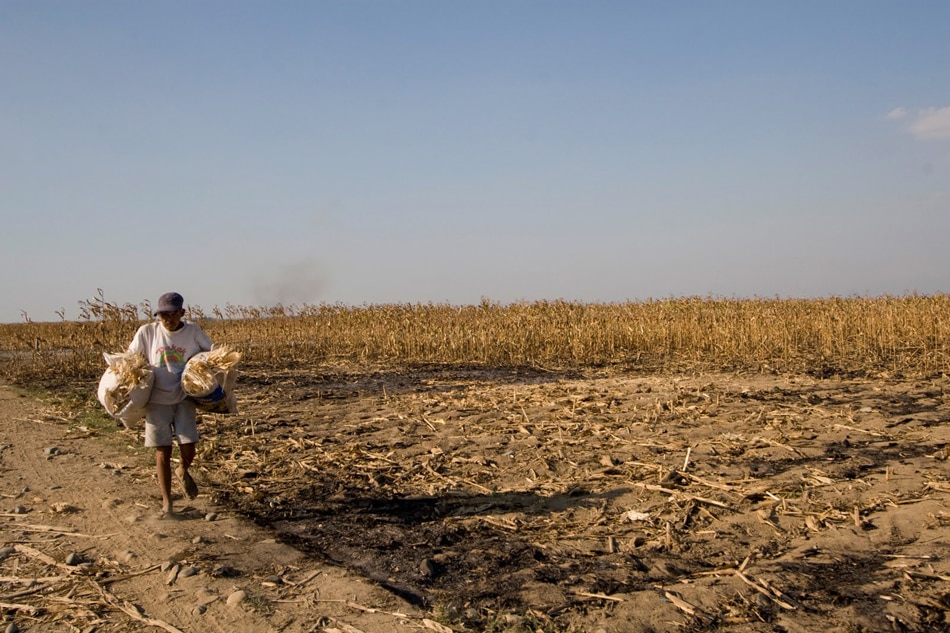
x=908, y=334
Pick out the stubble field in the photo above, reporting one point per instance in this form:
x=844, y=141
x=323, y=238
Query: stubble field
x=604, y=500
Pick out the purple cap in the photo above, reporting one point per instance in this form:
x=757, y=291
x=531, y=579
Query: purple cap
x=170, y=302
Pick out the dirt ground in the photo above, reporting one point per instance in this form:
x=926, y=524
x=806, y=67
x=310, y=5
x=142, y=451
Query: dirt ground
x=82, y=547
x=351, y=499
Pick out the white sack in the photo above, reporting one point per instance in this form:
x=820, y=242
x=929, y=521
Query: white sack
x=125, y=386
x=209, y=380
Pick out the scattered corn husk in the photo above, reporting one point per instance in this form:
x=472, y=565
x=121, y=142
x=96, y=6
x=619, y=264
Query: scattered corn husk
x=125, y=386
x=209, y=379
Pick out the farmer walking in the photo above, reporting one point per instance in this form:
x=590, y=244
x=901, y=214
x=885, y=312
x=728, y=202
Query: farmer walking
x=168, y=343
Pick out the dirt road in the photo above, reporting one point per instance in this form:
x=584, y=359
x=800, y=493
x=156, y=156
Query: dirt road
x=83, y=549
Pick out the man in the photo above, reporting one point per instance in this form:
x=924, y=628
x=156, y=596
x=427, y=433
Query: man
x=167, y=344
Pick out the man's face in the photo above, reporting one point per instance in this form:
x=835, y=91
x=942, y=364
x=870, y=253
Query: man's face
x=171, y=320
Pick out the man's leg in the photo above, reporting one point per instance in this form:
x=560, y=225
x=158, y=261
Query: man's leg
x=186, y=430
x=187, y=457
x=163, y=468
x=158, y=435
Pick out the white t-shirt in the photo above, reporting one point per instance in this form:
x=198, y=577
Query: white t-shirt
x=167, y=352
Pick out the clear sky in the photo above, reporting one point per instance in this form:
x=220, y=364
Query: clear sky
x=414, y=151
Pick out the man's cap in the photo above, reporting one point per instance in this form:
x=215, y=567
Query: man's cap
x=170, y=302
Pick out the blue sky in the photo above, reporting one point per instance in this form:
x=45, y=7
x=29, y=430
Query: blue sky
x=366, y=152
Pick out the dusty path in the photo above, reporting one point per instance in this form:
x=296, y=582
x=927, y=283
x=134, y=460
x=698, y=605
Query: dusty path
x=64, y=496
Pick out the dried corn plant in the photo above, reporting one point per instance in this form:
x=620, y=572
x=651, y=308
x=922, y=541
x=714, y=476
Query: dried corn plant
x=908, y=334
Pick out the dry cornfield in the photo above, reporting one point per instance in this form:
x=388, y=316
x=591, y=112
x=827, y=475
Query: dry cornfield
x=677, y=465
x=908, y=334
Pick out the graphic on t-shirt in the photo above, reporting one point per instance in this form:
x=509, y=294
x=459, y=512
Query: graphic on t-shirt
x=171, y=356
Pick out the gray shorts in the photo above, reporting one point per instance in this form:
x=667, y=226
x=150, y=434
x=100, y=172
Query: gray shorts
x=165, y=422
